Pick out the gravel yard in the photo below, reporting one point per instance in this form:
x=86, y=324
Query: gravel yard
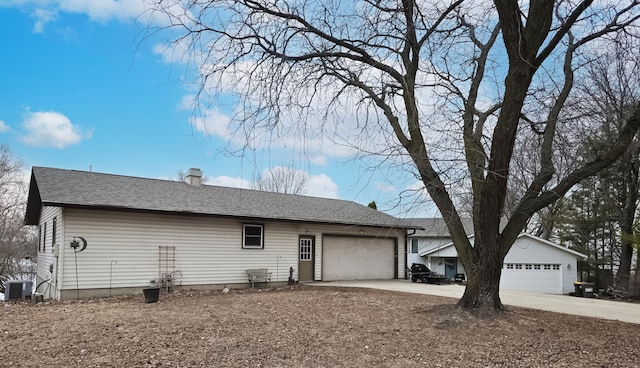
x=303, y=326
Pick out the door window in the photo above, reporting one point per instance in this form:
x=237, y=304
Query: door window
x=305, y=249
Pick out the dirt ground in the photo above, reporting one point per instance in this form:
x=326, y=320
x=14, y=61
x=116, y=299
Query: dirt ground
x=303, y=326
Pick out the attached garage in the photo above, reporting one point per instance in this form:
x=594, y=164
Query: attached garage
x=358, y=258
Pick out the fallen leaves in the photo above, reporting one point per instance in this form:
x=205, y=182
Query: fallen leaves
x=303, y=326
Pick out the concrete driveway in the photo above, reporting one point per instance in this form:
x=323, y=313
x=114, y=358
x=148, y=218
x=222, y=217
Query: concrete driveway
x=605, y=309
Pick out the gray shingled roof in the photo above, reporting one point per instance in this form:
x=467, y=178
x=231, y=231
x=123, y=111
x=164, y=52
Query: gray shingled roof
x=435, y=227
x=71, y=188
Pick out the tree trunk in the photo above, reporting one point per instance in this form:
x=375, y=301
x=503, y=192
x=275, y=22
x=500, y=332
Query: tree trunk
x=482, y=293
x=624, y=270
x=631, y=180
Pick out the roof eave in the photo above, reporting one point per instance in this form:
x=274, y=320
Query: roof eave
x=34, y=203
x=189, y=213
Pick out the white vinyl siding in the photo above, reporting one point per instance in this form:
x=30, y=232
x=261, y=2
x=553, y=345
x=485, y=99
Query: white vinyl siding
x=208, y=249
x=207, y=252
x=45, y=254
x=424, y=245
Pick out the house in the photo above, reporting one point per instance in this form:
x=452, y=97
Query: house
x=532, y=264
x=103, y=234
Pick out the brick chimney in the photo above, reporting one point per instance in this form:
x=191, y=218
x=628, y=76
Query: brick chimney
x=194, y=177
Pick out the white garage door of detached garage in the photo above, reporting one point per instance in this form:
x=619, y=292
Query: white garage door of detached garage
x=357, y=258
x=537, y=278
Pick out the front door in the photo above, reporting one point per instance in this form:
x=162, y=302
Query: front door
x=306, y=251
x=450, y=267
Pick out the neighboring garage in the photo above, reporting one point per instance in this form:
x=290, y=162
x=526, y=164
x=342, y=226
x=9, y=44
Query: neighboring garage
x=358, y=258
x=532, y=264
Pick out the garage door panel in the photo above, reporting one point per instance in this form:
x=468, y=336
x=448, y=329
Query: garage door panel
x=539, y=281
x=357, y=258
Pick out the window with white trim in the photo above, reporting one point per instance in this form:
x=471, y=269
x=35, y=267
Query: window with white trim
x=547, y=267
x=252, y=236
x=509, y=266
x=414, y=245
x=556, y=267
x=536, y=267
x=518, y=266
x=528, y=267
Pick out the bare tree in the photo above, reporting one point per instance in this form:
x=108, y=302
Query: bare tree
x=446, y=87
x=281, y=179
x=16, y=241
x=614, y=94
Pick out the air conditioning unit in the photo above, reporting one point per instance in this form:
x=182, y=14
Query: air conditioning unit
x=18, y=289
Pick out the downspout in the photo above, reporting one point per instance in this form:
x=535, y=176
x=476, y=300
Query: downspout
x=54, y=274
x=60, y=258
x=562, y=278
x=406, y=252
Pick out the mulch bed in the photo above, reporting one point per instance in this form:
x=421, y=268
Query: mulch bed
x=303, y=326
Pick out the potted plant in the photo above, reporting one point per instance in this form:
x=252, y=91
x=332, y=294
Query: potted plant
x=151, y=293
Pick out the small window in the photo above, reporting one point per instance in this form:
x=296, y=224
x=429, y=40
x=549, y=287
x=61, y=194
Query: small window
x=44, y=238
x=414, y=245
x=53, y=233
x=509, y=266
x=528, y=267
x=536, y=267
x=252, y=236
x=518, y=266
x=40, y=238
x=556, y=267
x=547, y=267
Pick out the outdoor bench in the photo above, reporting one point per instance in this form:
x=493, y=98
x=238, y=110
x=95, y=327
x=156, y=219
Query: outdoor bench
x=258, y=275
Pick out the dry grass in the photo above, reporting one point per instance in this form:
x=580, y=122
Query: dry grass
x=304, y=326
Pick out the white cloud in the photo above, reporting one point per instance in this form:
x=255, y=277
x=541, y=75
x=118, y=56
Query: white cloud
x=45, y=12
x=175, y=52
x=96, y=10
x=319, y=160
x=208, y=121
x=228, y=181
x=322, y=186
x=42, y=16
x=317, y=185
x=385, y=187
x=213, y=122
x=3, y=127
x=51, y=129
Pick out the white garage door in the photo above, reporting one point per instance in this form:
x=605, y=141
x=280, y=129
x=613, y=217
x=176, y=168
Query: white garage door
x=542, y=278
x=357, y=258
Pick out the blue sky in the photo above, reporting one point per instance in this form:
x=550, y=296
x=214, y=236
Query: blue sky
x=80, y=89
